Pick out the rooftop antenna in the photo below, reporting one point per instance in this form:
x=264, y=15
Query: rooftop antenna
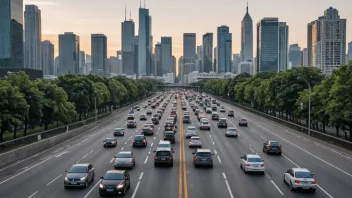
x=125, y=12
x=130, y=14
x=144, y=4
x=140, y=3
x=247, y=6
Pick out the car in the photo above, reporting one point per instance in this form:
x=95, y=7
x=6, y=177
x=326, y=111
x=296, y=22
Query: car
x=146, y=130
x=143, y=117
x=231, y=132
x=186, y=113
x=119, y=131
x=124, y=159
x=208, y=110
x=145, y=106
x=163, y=156
x=153, y=106
x=222, y=122
x=159, y=115
x=184, y=107
x=150, y=124
x=252, y=163
x=140, y=140
x=215, y=116
x=170, y=136
x=196, y=112
x=169, y=126
x=243, y=122
x=203, y=119
x=195, y=142
x=131, y=124
x=194, y=108
x=130, y=116
x=204, y=124
x=114, y=182
x=300, y=178
x=110, y=142
x=164, y=144
x=79, y=175
x=200, y=116
x=190, y=131
x=149, y=112
x=186, y=119
x=160, y=111
x=231, y=113
x=174, y=116
x=202, y=157
x=218, y=103
x=138, y=109
x=222, y=109
x=155, y=120
x=272, y=147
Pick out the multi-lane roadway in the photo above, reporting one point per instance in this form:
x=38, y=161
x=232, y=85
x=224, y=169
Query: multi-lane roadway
x=43, y=175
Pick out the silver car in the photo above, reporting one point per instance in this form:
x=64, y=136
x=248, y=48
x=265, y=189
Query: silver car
x=203, y=157
x=191, y=131
x=252, y=163
x=124, y=159
x=231, y=132
x=300, y=178
x=195, y=142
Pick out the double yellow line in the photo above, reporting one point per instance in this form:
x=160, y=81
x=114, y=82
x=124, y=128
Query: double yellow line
x=182, y=190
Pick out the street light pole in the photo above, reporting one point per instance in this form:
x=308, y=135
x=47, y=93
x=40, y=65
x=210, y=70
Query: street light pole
x=308, y=103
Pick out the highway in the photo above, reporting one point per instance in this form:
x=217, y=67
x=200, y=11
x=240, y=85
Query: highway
x=43, y=175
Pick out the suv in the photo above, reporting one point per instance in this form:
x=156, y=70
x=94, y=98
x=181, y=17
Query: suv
x=164, y=144
x=170, y=136
x=222, y=123
x=79, y=175
x=272, y=147
x=222, y=109
x=163, y=156
x=231, y=113
x=214, y=108
x=147, y=131
x=203, y=157
x=140, y=140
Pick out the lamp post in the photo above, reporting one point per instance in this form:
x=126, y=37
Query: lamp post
x=308, y=103
x=95, y=107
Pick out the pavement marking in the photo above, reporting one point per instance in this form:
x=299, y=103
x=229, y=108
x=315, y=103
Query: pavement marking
x=228, y=186
x=140, y=177
x=58, y=150
x=215, y=152
x=91, y=151
x=325, y=191
x=122, y=148
x=92, y=189
x=252, y=149
x=125, y=142
x=151, y=145
x=85, y=156
x=219, y=159
x=33, y=194
x=213, y=142
x=99, y=145
x=158, y=128
x=135, y=190
x=223, y=174
x=262, y=137
x=53, y=180
x=111, y=160
x=154, y=138
x=277, y=188
x=146, y=159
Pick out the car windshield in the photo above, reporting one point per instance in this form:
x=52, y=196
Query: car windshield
x=186, y=117
x=303, y=175
x=109, y=140
x=146, y=129
x=78, y=169
x=215, y=114
x=203, y=154
x=124, y=155
x=169, y=133
x=139, y=137
x=195, y=138
x=113, y=176
x=222, y=120
x=243, y=120
x=191, y=128
x=164, y=145
x=232, y=130
x=274, y=144
x=118, y=130
x=163, y=153
x=205, y=122
x=131, y=122
x=255, y=159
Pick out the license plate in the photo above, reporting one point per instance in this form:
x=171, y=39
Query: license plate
x=109, y=190
x=204, y=159
x=73, y=182
x=163, y=158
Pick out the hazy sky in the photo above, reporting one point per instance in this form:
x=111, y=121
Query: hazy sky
x=174, y=17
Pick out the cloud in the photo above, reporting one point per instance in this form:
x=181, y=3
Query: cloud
x=41, y=2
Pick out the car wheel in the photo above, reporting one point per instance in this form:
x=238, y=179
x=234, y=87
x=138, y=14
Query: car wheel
x=86, y=184
x=123, y=192
x=211, y=166
x=291, y=187
x=66, y=187
x=129, y=185
x=313, y=190
x=155, y=164
x=284, y=179
x=263, y=150
x=279, y=153
x=171, y=165
x=195, y=166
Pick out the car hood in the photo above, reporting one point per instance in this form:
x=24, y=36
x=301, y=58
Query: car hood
x=123, y=160
x=75, y=175
x=111, y=182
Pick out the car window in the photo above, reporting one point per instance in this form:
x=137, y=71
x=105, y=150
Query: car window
x=232, y=130
x=139, y=137
x=222, y=120
x=195, y=138
x=254, y=160
x=244, y=120
x=205, y=122
x=191, y=128
x=164, y=145
x=169, y=133
x=274, y=144
x=163, y=153
x=78, y=169
x=303, y=175
x=118, y=130
x=203, y=154
x=123, y=155
x=114, y=176
x=109, y=140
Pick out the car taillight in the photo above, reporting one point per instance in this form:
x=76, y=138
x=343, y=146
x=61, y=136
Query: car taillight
x=196, y=159
x=246, y=164
x=173, y=137
x=155, y=158
x=144, y=141
x=211, y=159
x=296, y=181
x=130, y=161
x=134, y=140
x=263, y=165
x=164, y=137
x=104, y=142
x=314, y=182
x=170, y=158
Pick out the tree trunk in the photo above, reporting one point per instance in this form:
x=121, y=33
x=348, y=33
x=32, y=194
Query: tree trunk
x=337, y=130
x=80, y=115
x=324, y=127
x=15, y=132
x=25, y=126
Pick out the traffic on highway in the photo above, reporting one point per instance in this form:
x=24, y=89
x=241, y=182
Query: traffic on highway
x=182, y=144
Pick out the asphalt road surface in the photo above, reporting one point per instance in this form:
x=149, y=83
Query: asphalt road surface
x=43, y=175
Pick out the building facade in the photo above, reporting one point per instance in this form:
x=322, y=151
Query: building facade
x=207, y=60
x=127, y=39
x=224, y=49
x=144, y=45
x=69, y=48
x=283, y=46
x=166, y=54
x=48, y=58
x=245, y=67
x=82, y=63
x=295, y=55
x=247, y=38
x=99, y=55
x=33, y=38
x=189, y=46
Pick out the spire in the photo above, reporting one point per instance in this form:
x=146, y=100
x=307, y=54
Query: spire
x=247, y=6
x=125, y=12
x=130, y=14
x=145, y=5
x=140, y=3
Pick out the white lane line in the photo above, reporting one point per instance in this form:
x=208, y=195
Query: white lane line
x=290, y=160
x=122, y=148
x=53, y=180
x=85, y=156
x=228, y=186
x=277, y=188
x=125, y=142
x=151, y=145
x=214, y=143
x=215, y=152
x=33, y=194
x=58, y=150
x=140, y=177
x=210, y=136
x=219, y=159
x=92, y=189
x=20, y=173
x=325, y=191
x=112, y=160
x=262, y=137
x=154, y=138
x=146, y=159
x=157, y=132
x=252, y=149
x=158, y=128
x=91, y=151
x=99, y=145
x=223, y=174
x=135, y=190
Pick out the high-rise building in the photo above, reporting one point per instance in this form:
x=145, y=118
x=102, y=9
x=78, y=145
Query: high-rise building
x=180, y=68
x=89, y=64
x=115, y=64
x=11, y=33
x=215, y=66
x=305, y=57
x=349, y=52
x=224, y=48
x=48, y=58
x=188, y=67
x=157, y=60
x=82, y=63
x=207, y=60
x=127, y=39
x=69, y=48
x=327, y=41
x=135, y=55
x=245, y=67
x=174, y=65
x=268, y=45
x=295, y=55
x=166, y=54
x=144, y=39
x=33, y=38
x=247, y=38
x=236, y=61
x=99, y=54
x=199, y=58
x=189, y=46
x=283, y=46
x=56, y=66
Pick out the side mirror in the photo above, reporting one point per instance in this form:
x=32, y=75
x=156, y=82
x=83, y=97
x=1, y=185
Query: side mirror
x=101, y=177
x=263, y=160
x=212, y=154
x=154, y=151
x=241, y=157
x=194, y=153
x=313, y=174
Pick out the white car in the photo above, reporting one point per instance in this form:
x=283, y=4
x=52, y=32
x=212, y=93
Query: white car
x=191, y=131
x=204, y=124
x=252, y=163
x=208, y=110
x=186, y=113
x=195, y=142
x=300, y=178
x=231, y=132
x=222, y=109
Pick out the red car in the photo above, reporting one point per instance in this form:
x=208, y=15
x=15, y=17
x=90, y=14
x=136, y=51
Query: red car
x=131, y=124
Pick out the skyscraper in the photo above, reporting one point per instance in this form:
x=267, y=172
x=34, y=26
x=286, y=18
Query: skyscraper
x=215, y=66
x=295, y=55
x=268, y=45
x=180, y=68
x=99, y=54
x=11, y=33
x=135, y=55
x=349, y=52
x=189, y=46
x=305, y=57
x=82, y=63
x=283, y=46
x=173, y=65
x=56, y=65
x=144, y=38
x=207, y=52
x=247, y=38
x=236, y=62
x=157, y=60
x=69, y=48
x=33, y=38
x=127, y=39
x=166, y=54
x=89, y=63
x=224, y=48
x=48, y=58
x=199, y=58
x=327, y=41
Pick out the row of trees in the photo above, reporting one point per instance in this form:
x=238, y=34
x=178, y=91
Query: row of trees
x=282, y=93
x=27, y=104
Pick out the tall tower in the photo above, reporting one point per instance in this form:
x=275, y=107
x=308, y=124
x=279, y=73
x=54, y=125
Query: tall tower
x=166, y=54
x=69, y=48
x=127, y=40
x=283, y=46
x=48, y=58
x=224, y=49
x=99, y=54
x=144, y=45
x=33, y=38
x=247, y=37
x=207, y=60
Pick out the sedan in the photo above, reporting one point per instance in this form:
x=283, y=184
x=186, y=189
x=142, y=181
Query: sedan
x=110, y=142
x=79, y=175
x=243, y=122
x=119, y=131
x=190, y=131
x=252, y=163
x=222, y=109
x=149, y=112
x=115, y=182
x=272, y=147
x=142, y=117
x=124, y=159
x=140, y=140
x=215, y=116
x=195, y=142
x=231, y=113
x=204, y=125
x=131, y=124
x=222, y=123
x=300, y=178
x=231, y=132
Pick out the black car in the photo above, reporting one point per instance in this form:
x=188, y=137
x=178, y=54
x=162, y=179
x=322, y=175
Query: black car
x=115, y=182
x=186, y=119
x=272, y=147
x=131, y=124
x=110, y=142
x=142, y=117
x=170, y=136
x=155, y=120
x=163, y=156
x=79, y=175
x=231, y=113
x=147, y=131
x=139, y=141
x=222, y=123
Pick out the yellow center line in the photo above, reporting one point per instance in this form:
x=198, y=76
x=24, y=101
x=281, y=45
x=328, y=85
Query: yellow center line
x=182, y=150
x=180, y=171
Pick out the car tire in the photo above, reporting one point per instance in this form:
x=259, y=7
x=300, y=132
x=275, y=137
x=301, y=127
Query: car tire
x=211, y=166
x=172, y=164
x=291, y=187
x=313, y=190
x=195, y=166
x=86, y=184
x=279, y=153
x=123, y=192
x=66, y=187
x=155, y=164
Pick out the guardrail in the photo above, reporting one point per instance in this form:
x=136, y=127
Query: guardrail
x=316, y=134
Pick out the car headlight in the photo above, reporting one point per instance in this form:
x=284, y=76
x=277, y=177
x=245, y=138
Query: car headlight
x=66, y=179
x=101, y=185
x=116, y=162
x=120, y=185
x=83, y=178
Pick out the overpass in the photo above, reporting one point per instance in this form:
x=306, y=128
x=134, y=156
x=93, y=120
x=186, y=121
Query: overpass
x=166, y=87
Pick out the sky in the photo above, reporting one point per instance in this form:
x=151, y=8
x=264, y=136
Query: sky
x=175, y=17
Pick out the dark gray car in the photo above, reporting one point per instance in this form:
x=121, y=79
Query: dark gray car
x=203, y=157
x=124, y=159
x=79, y=175
x=115, y=182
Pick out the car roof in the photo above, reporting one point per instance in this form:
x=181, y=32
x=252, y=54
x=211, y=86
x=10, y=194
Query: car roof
x=253, y=156
x=203, y=150
x=191, y=127
x=109, y=138
x=125, y=152
x=168, y=132
x=164, y=142
x=163, y=149
x=118, y=128
x=300, y=170
x=195, y=137
x=231, y=127
x=81, y=164
x=223, y=118
x=139, y=135
x=116, y=171
x=146, y=127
